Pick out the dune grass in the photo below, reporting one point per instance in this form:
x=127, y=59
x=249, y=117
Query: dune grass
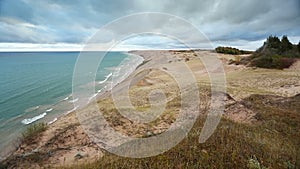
x=33, y=131
x=272, y=142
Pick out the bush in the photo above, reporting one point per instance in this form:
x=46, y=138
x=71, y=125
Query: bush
x=275, y=61
x=33, y=131
x=232, y=51
x=286, y=62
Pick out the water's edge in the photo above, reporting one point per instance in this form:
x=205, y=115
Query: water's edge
x=97, y=96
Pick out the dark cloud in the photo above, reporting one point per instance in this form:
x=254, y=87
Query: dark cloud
x=237, y=12
x=74, y=21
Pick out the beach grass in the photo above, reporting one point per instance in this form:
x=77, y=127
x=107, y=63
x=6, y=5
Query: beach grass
x=271, y=142
x=32, y=132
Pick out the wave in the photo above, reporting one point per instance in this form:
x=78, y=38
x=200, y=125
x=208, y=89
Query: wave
x=33, y=119
x=70, y=111
x=32, y=109
x=94, y=95
x=73, y=101
x=126, y=67
x=51, y=122
x=48, y=110
x=67, y=98
x=106, y=78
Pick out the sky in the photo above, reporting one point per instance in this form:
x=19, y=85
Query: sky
x=69, y=24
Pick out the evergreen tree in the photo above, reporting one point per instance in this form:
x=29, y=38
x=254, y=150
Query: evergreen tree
x=273, y=42
x=285, y=44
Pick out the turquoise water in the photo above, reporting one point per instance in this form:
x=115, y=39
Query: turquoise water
x=36, y=87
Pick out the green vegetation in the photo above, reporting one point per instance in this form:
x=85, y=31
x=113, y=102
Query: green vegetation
x=253, y=163
x=271, y=142
x=275, y=53
x=232, y=51
x=33, y=131
x=37, y=156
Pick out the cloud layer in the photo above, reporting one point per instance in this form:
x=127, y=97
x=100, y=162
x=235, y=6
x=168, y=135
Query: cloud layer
x=74, y=21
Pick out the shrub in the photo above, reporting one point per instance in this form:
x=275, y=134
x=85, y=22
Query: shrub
x=232, y=51
x=275, y=61
x=286, y=62
x=33, y=131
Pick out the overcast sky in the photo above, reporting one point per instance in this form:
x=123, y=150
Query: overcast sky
x=68, y=24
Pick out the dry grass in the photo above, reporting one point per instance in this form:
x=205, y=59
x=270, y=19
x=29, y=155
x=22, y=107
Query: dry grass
x=32, y=132
x=272, y=142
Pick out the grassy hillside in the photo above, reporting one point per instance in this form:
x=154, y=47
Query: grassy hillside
x=271, y=142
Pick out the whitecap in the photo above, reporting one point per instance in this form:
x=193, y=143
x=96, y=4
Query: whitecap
x=75, y=108
x=32, y=109
x=106, y=78
x=33, y=119
x=48, y=110
x=94, y=95
x=73, y=101
x=54, y=120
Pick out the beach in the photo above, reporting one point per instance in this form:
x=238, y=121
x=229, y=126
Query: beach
x=65, y=142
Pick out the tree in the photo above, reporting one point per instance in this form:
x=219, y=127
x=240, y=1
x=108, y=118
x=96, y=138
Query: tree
x=273, y=42
x=285, y=44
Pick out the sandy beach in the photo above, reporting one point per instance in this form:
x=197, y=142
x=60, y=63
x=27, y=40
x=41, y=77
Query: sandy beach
x=66, y=142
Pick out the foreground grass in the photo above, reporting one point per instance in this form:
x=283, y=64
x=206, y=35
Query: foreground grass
x=272, y=142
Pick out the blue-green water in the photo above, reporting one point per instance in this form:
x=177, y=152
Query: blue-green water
x=36, y=87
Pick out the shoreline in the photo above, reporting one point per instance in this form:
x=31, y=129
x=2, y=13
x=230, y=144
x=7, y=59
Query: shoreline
x=97, y=96
x=60, y=116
